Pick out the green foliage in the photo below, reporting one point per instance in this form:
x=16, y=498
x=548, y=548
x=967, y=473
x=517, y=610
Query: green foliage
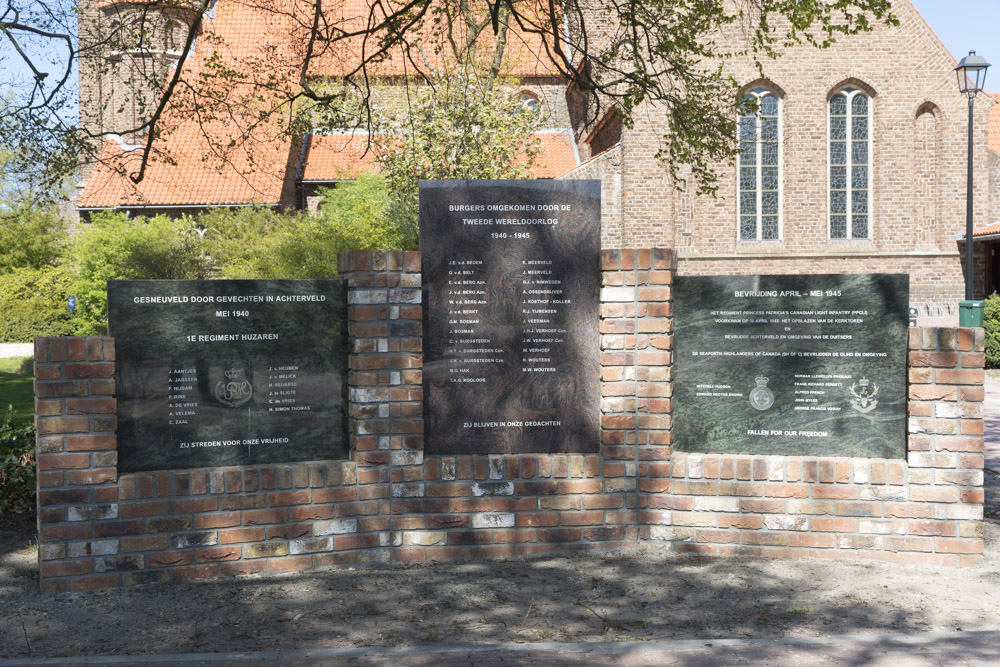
x=30, y=238
x=264, y=244
x=33, y=303
x=460, y=126
x=117, y=248
x=17, y=465
x=19, y=391
x=991, y=322
x=239, y=240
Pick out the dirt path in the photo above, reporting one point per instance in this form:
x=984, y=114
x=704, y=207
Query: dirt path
x=580, y=598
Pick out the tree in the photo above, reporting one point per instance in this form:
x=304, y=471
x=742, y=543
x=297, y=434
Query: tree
x=316, y=62
x=116, y=248
x=459, y=126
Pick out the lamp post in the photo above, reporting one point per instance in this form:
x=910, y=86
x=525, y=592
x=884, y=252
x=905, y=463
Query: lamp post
x=971, y=73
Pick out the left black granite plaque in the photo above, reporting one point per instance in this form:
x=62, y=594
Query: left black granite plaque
x=228, y=372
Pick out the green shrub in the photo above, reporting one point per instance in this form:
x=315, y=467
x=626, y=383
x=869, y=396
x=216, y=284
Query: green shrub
x=991, y=322
x=117, y=248
x=240, y=240
x=17, y=465
x=33, y=303
x=262, y=243
x=30, y=239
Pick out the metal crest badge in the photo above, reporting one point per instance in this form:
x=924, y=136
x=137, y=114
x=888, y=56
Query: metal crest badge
x=864, y=391
x=235, y=390
x=761, y=397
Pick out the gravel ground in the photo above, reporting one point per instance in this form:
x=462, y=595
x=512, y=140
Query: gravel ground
x=590, y=597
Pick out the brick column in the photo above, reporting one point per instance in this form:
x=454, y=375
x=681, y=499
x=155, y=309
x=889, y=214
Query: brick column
x=636, y=385
x=386, y=391
x=77, y=460
x=944, y=519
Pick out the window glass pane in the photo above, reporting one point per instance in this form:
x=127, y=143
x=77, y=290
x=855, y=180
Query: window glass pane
x=838, y=178
x=838, y=128
x=748, y=203
x=838, y=105
x=859, y=201
x=838, y=201
x=769, y=203
x=748, y=228
x=769, y=154
x=859, y=128
x=859, y=227
x=859, y=178
x=748, y=153
x=838, y=227
x=748, y=178
x=769, y=227
x=859, y=105
x=859, y=152
x=769, y=129
x=769, y=178
x=748, y=128
x=769, y=105
x=838, y=152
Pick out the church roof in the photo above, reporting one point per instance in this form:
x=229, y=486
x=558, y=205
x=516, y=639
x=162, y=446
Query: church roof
x=229, y=158
x=342, y=155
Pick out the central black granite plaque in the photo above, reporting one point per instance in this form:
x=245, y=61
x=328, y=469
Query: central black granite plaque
x=511, y=286
x=228, y=372
x=807, y=365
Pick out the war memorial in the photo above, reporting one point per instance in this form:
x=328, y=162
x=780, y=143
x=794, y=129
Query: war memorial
x=512, y=389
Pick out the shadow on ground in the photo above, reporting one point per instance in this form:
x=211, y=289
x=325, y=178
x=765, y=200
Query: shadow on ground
x=592, y=597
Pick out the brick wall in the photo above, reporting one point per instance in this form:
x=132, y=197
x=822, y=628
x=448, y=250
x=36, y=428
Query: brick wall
x=927, y=509
x=389, y=502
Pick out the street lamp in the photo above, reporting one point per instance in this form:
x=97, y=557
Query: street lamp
x=971, y=73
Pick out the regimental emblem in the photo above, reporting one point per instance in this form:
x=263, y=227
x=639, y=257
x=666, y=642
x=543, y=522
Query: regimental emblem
x=761, y=397
x=235, y=390
x=864, y=391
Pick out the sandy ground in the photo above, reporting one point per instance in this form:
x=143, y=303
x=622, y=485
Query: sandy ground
x=581, y=598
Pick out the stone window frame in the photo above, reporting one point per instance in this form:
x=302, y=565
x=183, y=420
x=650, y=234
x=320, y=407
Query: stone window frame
x=851, y=90
x=760, y=91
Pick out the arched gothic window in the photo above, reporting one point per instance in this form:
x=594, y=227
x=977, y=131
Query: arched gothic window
x=850, y=164
x=760, y=170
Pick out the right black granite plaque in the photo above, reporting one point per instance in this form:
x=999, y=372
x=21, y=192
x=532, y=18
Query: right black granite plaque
x=511, y=285
x=811, y=365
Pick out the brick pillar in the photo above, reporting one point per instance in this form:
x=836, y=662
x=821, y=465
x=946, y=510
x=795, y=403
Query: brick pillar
x=77, y=460
x=944, y=519
x=385, y=378
x=636, y=358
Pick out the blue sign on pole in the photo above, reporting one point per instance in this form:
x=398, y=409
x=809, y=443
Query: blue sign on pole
x=71, y=303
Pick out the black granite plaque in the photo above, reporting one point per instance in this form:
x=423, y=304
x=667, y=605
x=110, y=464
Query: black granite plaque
x=511, y=286
x=228, y=372
x=804, y=365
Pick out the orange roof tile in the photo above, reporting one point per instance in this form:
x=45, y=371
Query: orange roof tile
x=524, y=54
x=336, y=156
x=215, y=151
x=993, y=123
x=558, y=154
x=986, y=231
x=185, y=178
x=213, y=148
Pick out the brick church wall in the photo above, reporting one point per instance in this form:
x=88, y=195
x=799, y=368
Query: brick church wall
x=391, y=503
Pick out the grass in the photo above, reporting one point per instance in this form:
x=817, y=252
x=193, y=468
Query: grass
x=16, y=390
x=10, y=364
